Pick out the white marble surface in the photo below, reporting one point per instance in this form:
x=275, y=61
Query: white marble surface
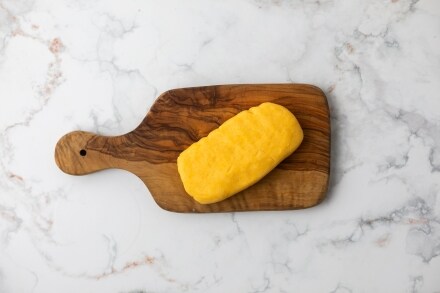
x=98, y=66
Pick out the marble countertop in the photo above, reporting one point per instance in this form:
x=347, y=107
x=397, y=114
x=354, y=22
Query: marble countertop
x=99, y=65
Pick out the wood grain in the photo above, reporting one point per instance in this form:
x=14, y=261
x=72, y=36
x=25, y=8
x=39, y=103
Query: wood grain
x=181, y=117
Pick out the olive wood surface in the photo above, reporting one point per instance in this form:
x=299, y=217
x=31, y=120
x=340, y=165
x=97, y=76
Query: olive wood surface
x=180, y=117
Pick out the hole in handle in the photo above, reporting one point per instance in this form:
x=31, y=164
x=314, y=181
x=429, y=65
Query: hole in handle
x=83, y=153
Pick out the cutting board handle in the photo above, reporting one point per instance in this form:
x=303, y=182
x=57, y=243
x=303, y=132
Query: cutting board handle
x=81, y=153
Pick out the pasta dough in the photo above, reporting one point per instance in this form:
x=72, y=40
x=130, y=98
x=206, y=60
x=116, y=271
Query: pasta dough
x=239, y=153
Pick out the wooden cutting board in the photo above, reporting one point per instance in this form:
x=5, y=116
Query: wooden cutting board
x=181, y=117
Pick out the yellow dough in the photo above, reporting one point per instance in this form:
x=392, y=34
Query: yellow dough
x=239, y=153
